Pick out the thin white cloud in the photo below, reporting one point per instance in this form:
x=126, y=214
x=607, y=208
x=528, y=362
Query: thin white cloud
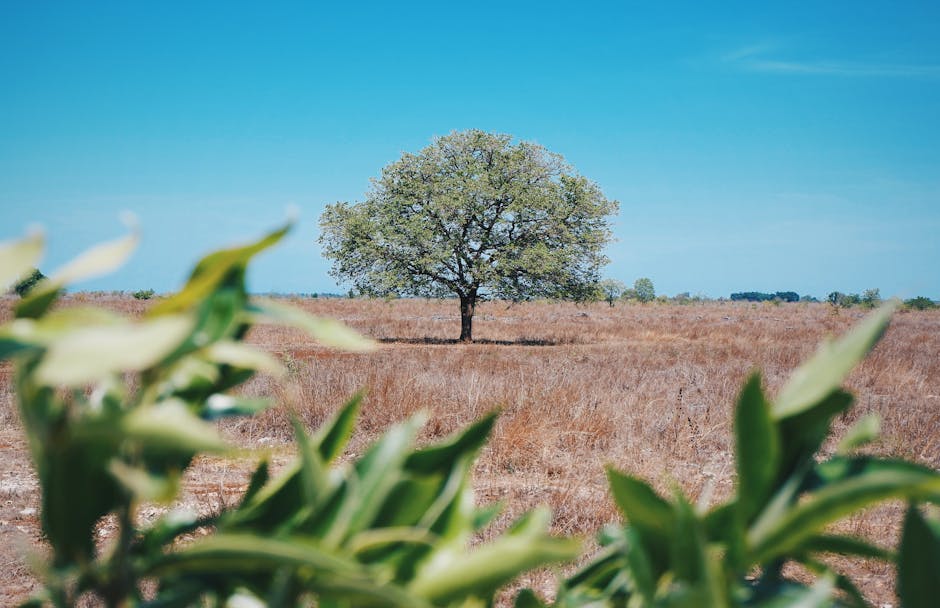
x=756, y=58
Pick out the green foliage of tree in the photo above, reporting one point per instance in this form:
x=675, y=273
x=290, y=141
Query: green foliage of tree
x=611, y=290
x=920, y=303
x=474, y=216
x=644, y=290
x=845, y=300
x=871, y=298
x=26, y=284
x=143, y=294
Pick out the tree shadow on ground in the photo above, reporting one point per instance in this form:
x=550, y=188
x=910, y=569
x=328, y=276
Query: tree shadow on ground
x=451, y=341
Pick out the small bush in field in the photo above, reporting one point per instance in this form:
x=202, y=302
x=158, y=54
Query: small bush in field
x=143, y=294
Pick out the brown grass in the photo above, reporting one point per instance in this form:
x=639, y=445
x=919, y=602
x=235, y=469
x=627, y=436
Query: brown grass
x=649, y=389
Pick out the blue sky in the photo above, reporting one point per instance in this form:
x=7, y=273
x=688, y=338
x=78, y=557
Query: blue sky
x=752, y=147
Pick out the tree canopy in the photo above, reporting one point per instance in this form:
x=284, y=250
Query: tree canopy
x=476, y=216
x=644, y=290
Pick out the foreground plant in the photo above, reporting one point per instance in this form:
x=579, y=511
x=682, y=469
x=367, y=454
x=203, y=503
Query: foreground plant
x=115, y=411
x=674, y=553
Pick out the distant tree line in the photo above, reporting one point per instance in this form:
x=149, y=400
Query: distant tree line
x=759, y=296
x=608, y=290
x=868, y=298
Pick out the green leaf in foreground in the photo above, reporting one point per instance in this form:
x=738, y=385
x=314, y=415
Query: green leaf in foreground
x=326, y=331
x=825, y=371
x=864, y=431
x=782, y=533
x=85, y=355
x=320, y=570
x=171, y=427
x=96, y=261
x=644, y=508
x=919, y=561
x=757, y=449
x=17, y=258
x=332, y=437
x=213, y=271
x=448, y=576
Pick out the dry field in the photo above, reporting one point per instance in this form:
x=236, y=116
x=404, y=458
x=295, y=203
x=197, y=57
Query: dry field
x=649, y=389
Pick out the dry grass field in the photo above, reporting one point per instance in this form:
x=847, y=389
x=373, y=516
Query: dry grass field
x=647, y=388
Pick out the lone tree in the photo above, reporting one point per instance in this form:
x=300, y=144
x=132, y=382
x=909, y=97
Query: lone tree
x=612, y=290
x=476, y=216
x=645, y=292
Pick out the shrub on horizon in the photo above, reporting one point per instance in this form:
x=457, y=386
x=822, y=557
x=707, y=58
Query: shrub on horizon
x=920, y=303
x=143, y=294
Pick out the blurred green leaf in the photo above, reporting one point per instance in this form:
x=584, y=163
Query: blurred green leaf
x=270, y=506
x=98, y=260
x=688, y=557
x=332, y=437
x=30, y=335
x=841, y=468
x=326, y=331
x=448, y=575
x=313, y=473
x=250, y=554
x=844, y=545
x=485, y=515
x=10, y=346
x=409, y=501
x=95, y=261
x=864, y=431
x=802, y=435
x=780, y=535
x=245, y=551
x=223, y=406
x=77, y=490
x=378, y=471
x=259, y=477
x=212, y=271
x=640, y=571
x=642, y=506
x=370, y=540
x=647, y=513
x=441, y=457
x=239, y=354
x=17, y=258
x=825, y=371
x=144, y=485
x=757, y=451
x=527, y=599
x=38, y=300
x=170, y=426
x=919, y=561
x=85, y=355
x=817, y=596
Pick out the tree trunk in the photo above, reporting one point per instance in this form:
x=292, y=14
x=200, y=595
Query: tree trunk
x=467, y=304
